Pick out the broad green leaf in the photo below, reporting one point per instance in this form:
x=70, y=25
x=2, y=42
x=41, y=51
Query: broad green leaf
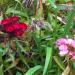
x=59, y=63
x=48, y=59
x=31, y=71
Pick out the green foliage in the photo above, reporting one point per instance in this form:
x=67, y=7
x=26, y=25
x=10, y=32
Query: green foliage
x=33, y=70
x=16, y=12
x=1, y=70
x=48, y=59
x=59, y=62
x=35, y=53
x=18, y=73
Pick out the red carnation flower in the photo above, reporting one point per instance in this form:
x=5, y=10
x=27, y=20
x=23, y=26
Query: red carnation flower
x=11, y=26
x=9, y=20
x=14, y=18
x=8, y=29
x=5, y=21
x=21, y=27
x=16, y=26
x=18, y=33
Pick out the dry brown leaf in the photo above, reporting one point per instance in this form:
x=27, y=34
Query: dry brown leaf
x=66, y=71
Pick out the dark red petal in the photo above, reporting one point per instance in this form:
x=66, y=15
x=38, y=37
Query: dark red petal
x=14, y=18
x=8, y=29
x=18, y=33
x=5, y=21
x=19, y=29
x=23, y=26
x=9, y=20
x=16, y=26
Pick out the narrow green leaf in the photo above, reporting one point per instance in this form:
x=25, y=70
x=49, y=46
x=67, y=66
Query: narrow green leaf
x=63, y=1
x=19, y=46
x=59, y=63
x=70, y=18
x=0, y=56
x=18, y=73
x=1, y=70
x=31, y=71
x=52, y=2
x=23, y=59
x=18, y=1
x=17, y=12
x=10, y=67
x=36, y=38
x=48, y=59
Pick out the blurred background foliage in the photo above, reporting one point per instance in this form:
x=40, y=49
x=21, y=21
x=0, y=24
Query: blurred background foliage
x=35, y=52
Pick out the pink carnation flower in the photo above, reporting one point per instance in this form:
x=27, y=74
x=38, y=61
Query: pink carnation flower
x=63, y=50
x=73, y=57
x=73, y=43
x=61, y=41
x=66, y=47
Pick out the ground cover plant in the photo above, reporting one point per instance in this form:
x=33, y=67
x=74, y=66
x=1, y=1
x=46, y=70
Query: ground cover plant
x=37, y=37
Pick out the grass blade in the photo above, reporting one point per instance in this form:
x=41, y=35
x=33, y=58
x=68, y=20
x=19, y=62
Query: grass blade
x=48, y=59
x=31, y=71
x=1, y=70
x=59, y=62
